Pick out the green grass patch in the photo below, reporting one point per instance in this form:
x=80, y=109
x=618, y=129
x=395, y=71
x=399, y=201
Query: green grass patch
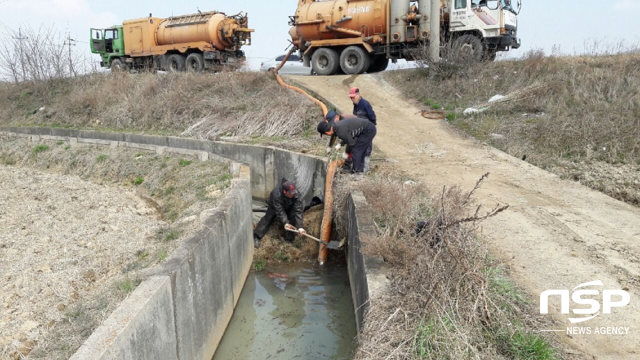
x=524, y=346
x=184, y=163
x=128, y=285
x=137, y=181
x=40, y=148
x=258, y=265
x=162, y=254
x=168, y=234
x=429, y=342
x=101, y=158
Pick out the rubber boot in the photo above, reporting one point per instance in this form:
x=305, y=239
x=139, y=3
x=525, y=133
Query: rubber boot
x=367, y=160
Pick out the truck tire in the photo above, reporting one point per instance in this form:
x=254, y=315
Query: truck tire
x=194, y=63
x=325, y=61
x=468, y=46
x=354, y=60
x=378, y=64
x=175, y=63
x=489, y=55
x=117, y=65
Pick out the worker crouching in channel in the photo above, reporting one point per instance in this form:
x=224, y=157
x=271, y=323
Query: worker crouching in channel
x=285, y=205
x=356, y=133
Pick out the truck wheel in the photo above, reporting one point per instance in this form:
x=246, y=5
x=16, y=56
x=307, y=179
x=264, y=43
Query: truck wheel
x=468, y=46
x=489, y=55
x=175, y=63
x=354, y=60
x=325, y=61
x=378, y=64
x=117, y=65
x=194, y=63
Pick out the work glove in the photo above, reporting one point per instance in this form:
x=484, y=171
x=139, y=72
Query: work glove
x=346, y=156
x=338, y=146
x=328, y=149
x=289, y=227
x=301, y=231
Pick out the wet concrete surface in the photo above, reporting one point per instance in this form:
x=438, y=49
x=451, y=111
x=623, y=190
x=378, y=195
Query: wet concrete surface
x=292, y=311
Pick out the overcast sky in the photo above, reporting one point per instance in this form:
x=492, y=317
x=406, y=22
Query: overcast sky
x=572, y=26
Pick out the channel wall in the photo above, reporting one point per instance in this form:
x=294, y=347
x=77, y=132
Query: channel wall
x=182, y=308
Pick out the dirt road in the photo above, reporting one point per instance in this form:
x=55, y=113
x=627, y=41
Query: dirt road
x=556, y=234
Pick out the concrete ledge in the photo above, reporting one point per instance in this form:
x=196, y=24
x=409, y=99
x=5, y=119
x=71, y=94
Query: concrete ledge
x=142, y=327
x=366, y=273
x=268, y=165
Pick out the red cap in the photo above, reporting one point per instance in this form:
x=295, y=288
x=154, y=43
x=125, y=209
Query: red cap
x=353, y=92
x=289, y=187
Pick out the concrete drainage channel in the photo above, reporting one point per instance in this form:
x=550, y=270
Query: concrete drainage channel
x=182, y=309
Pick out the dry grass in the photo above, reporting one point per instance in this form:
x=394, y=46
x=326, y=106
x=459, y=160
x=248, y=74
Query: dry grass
x=177, y=186
x=565, y=114
x=94, y=266
x=447, y=299
x=240, y=105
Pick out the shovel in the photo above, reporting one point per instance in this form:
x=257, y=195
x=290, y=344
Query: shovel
x=332, y=245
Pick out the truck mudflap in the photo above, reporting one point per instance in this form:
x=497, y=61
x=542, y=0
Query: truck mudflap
x=503, y=43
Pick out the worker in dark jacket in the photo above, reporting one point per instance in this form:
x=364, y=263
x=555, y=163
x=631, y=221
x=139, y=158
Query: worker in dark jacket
x=356, y=133
x=333, y=116
x=285, y=205
x=362, y=109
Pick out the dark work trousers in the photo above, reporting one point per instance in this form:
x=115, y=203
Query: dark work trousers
x=268, y=218
x=363, y=144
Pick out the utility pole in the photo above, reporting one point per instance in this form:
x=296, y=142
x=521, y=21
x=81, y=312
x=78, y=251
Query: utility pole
x=20, y=50
x=434, y=38
x=69, y=42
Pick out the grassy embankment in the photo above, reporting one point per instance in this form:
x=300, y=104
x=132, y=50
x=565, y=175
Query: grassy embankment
x=178, y=187
x=578, y=117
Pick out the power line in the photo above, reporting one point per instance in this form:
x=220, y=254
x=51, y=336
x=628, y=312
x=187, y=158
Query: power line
x=20, y=38
x=71, y=42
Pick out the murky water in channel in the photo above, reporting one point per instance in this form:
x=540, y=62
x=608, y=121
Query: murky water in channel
x=307, y=315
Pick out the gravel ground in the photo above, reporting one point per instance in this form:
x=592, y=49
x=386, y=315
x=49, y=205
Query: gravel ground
x=62, y=239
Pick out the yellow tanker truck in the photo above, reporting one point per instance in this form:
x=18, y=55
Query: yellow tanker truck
x=357, y=36
x=195, y=42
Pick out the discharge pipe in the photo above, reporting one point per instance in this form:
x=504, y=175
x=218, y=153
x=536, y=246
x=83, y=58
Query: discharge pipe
x=325, y=232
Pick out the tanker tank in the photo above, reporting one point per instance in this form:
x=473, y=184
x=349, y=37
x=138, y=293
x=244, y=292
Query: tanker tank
x=223, y=32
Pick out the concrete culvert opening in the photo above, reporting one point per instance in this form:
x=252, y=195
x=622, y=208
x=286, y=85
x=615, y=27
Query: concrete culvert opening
x=291, y=306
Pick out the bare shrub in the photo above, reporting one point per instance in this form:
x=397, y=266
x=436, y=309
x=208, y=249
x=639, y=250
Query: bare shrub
x=38, y=55
x=453, y=62
x=441, y=301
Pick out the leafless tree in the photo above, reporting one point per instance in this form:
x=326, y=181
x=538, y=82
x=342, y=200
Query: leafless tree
x=29, y=55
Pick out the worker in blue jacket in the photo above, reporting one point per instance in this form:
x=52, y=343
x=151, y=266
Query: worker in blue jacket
x=362, y=109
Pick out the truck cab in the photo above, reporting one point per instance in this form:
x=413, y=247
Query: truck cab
x=494, y=21
x=109, y=44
